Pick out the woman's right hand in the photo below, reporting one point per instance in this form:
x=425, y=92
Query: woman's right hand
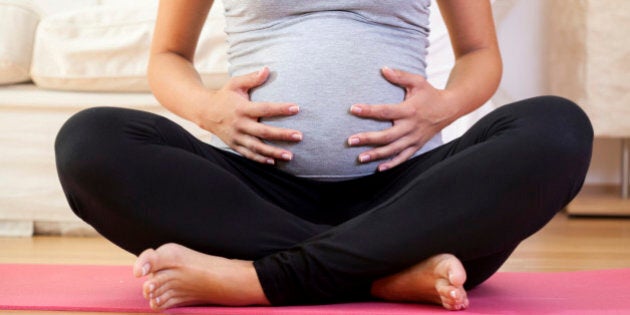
x=233, y=118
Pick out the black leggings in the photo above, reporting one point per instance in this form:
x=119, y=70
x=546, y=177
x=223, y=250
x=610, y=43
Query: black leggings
x=142, y=181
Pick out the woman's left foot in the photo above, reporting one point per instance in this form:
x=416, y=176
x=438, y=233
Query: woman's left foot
x=179, y=276
x=438, y=280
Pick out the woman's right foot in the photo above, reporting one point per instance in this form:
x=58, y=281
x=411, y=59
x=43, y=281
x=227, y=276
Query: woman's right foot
x=179, y=276
x=438, y=280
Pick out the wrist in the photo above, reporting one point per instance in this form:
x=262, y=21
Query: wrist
x=200, y=104
x=452, y=108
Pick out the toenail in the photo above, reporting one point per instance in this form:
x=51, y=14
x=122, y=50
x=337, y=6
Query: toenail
x=453, y=294
x=157, y=300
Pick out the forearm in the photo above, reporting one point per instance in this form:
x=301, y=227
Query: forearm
x=177, y=85
x=478, y=66
x=172, y=77
x=473, y=80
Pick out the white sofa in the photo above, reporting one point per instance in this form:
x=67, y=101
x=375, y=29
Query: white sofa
x=53, y=65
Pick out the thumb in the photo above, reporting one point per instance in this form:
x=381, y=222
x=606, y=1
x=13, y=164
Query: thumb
x=402, y=78
x=249, y=81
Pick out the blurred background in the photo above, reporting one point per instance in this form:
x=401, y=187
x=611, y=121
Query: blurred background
x=523, y=30
x=60, y=56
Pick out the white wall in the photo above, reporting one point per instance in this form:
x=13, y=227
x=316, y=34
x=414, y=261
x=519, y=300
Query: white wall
x=522, y=37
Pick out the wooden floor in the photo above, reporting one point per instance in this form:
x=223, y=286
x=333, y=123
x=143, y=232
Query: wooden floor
x=565, y=244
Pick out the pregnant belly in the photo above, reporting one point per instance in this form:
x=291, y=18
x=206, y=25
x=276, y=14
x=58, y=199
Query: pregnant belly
x=325, y=98
x=325, y=72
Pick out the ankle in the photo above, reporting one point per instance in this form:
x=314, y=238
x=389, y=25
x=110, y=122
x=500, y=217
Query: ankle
x=251, y=290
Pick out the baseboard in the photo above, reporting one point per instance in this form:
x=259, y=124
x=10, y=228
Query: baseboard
x=599, y=200
x=16, y=228
x=63, y=228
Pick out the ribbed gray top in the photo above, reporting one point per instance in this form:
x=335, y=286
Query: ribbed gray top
x=326, y=56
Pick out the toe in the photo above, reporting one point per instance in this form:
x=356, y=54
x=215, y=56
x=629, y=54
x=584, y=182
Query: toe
x=166, y=299
x=173, y=302
x=457, y=274
x=450, y=268
x=452, y=306
x=451, y=295
x=162, y=282
x=148, y=289
x=145, y=263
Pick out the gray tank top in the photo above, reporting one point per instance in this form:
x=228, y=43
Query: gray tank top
x=326, y=55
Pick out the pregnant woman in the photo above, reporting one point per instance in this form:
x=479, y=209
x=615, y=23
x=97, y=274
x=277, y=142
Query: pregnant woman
x=328, y=181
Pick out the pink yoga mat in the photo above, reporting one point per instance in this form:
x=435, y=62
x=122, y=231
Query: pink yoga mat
x=114, y=289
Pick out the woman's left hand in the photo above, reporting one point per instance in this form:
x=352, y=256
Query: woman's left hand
x=422, y=114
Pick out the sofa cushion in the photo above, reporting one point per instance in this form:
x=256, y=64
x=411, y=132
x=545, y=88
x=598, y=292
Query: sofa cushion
x=18, y=22
x=105, y=48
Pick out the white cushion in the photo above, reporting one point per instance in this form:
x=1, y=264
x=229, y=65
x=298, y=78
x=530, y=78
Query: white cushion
x=18, y=21
x=106, y=48
x=57, y=6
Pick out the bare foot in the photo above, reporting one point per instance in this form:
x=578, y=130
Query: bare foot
x=179, y=276
x=439, y=280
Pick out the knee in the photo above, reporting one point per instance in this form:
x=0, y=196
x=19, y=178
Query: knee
x=554, y=126
x=569, y=128
x=78, y=139
x=562, y=144
x=555, y=135
x=78, y=124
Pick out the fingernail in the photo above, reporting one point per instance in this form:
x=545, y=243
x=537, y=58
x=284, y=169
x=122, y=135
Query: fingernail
x=151, y=287
x=355, y=109
x=296, y=136
x=270, y=161
x=353, y=141
x=145, y=269
x=388, y=70
x=261, y=70
x=286, y=156
x=294, y=109
x=383, y=168
x=364, y=158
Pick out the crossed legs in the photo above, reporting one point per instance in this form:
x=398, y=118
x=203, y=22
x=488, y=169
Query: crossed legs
x=143, y=182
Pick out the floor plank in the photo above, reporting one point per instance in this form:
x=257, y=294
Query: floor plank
x=565, y=244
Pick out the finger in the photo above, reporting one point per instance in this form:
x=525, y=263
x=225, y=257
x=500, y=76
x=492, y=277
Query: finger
x=257, y=150
x=266, y=132
x=398, y=159
x=402, y=78
x=384, y=152
x=246, y=152
x=248, y=81
x=267, y=109
x=382, y=112
x=382, y=137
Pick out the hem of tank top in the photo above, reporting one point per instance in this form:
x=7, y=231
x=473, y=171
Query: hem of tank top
x=333, y=177
x=319, y=177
